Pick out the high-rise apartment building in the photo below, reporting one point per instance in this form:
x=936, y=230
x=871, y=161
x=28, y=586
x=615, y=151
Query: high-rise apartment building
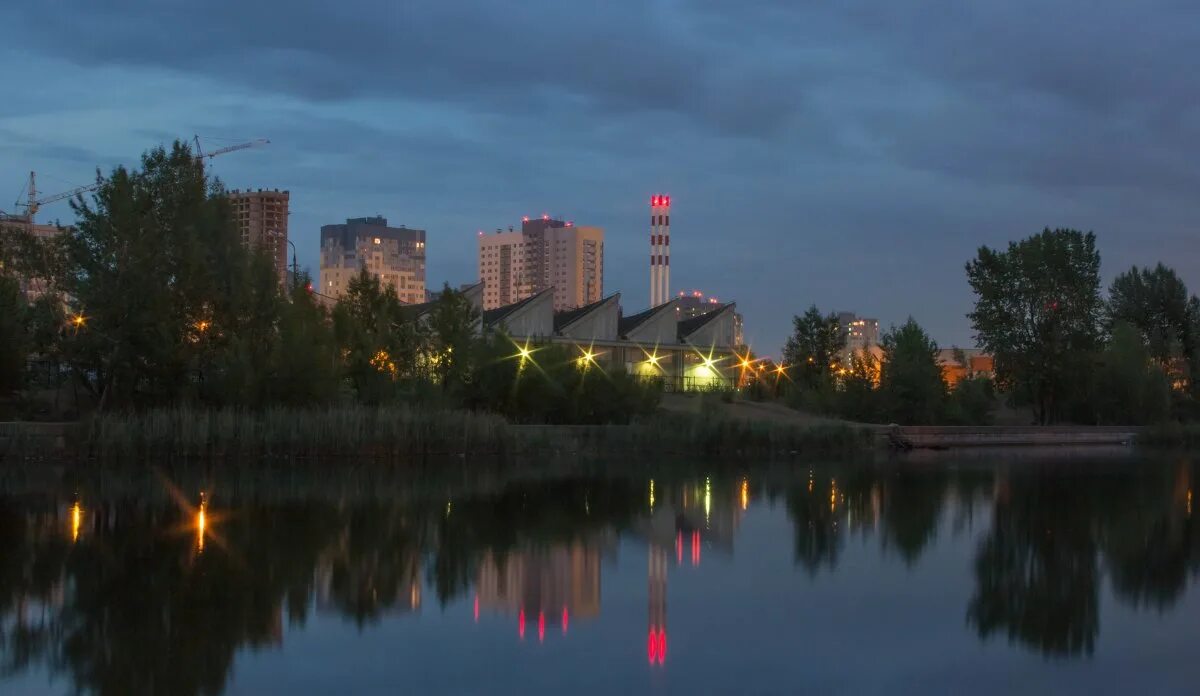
x=545, y=254
x=394, y=255
x=861, y=334
x=262, y=218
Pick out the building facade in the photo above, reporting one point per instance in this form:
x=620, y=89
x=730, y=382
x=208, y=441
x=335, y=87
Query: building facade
x=545, y=254
x=394, y=255
x=861, y=334
x=262, y=219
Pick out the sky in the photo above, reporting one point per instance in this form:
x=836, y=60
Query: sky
x=849, y=155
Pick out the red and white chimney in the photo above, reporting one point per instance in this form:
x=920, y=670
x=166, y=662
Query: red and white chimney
x=660, y=249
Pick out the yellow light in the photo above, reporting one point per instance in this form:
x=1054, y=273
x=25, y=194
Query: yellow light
x=745, y=494
x=781, y=369
x=651, y=494
x=76, y=521
x=525, y=352
x=653, y=359
x=707, y=499
x=201, y=523
x=78, y=320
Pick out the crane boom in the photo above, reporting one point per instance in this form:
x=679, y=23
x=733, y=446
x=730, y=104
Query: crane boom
x=34, y=203
x=201, y=155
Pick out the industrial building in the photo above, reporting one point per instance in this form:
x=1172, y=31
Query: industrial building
x=693, y=354
x=394, y=255
x=546, y=254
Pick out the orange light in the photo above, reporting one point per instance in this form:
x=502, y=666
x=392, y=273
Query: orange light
x=76, y=521
x=201, y=524
x=745, y=494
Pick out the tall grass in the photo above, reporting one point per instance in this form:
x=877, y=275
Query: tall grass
x=341, y=430
x=1170, y=435
x=405, y=433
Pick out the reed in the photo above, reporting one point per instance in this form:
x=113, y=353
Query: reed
x=1170, y=435
x=402, y=433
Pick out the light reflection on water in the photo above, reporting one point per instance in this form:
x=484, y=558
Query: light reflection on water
x=1043, y=576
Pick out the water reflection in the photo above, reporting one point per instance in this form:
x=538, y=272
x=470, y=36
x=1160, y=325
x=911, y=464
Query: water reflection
x=122, y=603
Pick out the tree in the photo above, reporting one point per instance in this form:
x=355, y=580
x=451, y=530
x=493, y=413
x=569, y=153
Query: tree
x=154, y=269
x=814, y=350
x=1155, y=302
x=910, y=379
x=858, y=394
x=453, y=325
x=1037, y=310
x=1130, y=388
x=306, y=366
x=14, y=343
x=380, y=342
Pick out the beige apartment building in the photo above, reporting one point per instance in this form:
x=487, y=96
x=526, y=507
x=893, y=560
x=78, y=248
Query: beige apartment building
x=262, y=219
x=544, y=254
x=394, y=255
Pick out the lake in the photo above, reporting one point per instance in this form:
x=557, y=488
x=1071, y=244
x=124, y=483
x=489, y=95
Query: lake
x=982, y=573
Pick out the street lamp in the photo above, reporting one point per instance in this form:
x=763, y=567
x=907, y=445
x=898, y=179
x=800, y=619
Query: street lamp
x=295, y=267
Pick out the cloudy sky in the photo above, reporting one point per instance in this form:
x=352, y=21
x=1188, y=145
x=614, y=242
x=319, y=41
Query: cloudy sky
x=853, y=158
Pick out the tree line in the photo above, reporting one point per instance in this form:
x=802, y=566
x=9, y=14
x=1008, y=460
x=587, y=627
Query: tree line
x=152, y=299
x=1062, y=350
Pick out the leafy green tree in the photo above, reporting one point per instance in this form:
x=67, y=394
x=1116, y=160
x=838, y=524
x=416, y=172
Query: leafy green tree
x=306, y=365
x=1130, y=388
x=1038, y=310
x=14, y=340
x=972, y=401
x=453, y=325
x=1156, y=303
x=858, y=395
x=380, y=343
x=154, y=259
x=910, y=379
x=813, y=354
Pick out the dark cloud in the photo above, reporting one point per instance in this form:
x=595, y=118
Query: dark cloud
x=848, y=154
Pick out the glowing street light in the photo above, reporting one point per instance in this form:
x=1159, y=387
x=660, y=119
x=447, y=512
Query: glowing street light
x=76, y=520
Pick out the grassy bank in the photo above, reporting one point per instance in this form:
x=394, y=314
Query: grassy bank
x=1170, y=435
x=402, y=433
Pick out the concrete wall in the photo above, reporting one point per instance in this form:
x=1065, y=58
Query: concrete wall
x=534, y=320
x=660, y=329
x=719, y=332
x=599, y=324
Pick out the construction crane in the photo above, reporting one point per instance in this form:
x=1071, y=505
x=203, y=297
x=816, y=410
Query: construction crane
x=201, y=155
x=33, y=203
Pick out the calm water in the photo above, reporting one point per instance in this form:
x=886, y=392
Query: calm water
x=938, y=576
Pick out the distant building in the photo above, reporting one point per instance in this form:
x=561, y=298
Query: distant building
x=262, y=219
x=861, y=334
x=394, y=255
x=546, y=254
x=964, y=363
x=695, y=303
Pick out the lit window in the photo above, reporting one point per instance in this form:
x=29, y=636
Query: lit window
x=377, y=240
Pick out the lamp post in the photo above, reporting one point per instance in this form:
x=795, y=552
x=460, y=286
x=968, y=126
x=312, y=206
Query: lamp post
x=295, y=267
